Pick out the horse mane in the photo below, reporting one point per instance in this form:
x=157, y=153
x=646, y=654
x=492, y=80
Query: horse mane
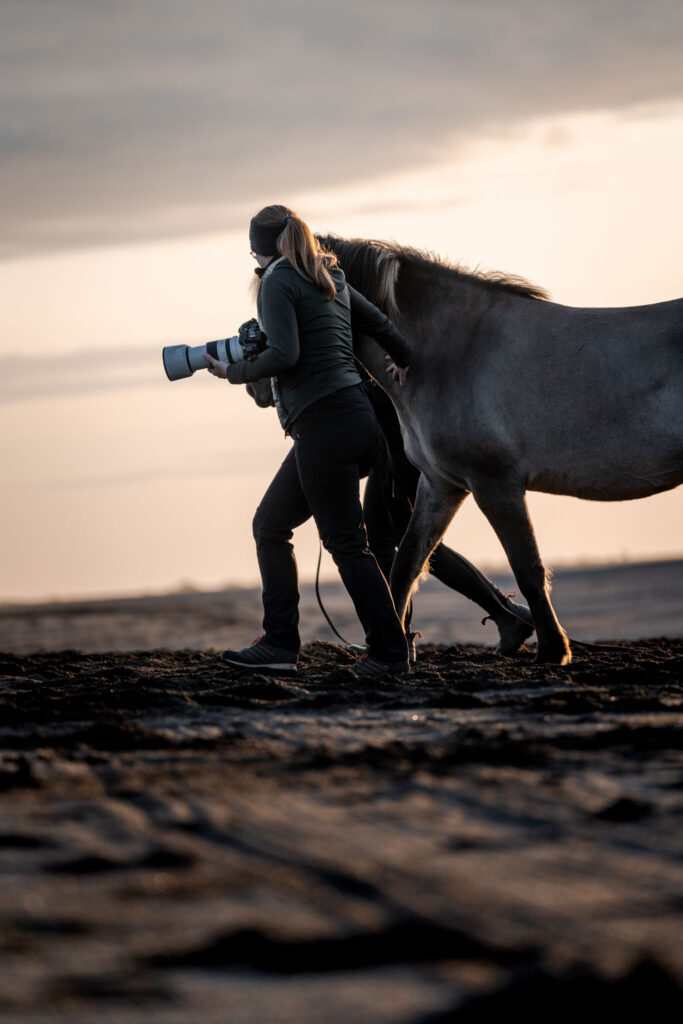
x=373, y=267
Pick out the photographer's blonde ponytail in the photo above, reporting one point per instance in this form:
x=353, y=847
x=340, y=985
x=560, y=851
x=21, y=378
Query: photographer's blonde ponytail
x=296, y=242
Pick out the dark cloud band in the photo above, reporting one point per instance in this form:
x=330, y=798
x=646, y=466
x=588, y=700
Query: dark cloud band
x=125, y=121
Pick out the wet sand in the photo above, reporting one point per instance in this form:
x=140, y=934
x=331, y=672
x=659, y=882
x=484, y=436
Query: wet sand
x=185, y=842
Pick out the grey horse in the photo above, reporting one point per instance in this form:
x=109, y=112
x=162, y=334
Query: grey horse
x=509, y=392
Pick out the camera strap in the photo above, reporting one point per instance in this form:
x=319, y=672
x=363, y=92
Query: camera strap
x=274, y=386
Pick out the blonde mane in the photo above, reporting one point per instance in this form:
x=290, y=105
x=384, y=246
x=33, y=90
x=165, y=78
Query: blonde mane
x=373, y=267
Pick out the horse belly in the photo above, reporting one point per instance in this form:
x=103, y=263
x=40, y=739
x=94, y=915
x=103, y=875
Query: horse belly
x=614, y=454
x=605, y=485
x=607, y=426
x=434, y=459
x=634, y=450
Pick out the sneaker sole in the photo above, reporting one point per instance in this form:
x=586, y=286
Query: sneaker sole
x=359, y=649
x=401, y=668
x=271, y=666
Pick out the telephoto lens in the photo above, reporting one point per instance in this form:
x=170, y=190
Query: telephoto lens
x=182, y=360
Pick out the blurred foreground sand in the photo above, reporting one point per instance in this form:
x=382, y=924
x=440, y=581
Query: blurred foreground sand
x=482, y=839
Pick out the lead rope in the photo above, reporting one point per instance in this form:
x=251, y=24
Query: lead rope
x=320, y=600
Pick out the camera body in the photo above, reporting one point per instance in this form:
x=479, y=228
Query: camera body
x=182, y=360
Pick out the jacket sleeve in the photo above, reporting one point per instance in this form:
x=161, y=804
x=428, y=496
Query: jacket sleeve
x=278, y=319
x=367, y=319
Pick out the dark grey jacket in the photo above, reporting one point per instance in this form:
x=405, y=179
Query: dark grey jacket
x=309, y=349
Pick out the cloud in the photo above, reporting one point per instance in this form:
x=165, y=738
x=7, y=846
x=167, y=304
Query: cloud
x=243, y=463
x=81, y=372
x=124, y=121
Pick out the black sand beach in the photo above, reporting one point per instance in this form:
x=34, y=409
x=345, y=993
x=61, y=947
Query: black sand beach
x=180, y=841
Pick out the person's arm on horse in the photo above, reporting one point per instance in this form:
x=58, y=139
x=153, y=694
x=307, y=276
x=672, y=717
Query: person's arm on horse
x=370, y=320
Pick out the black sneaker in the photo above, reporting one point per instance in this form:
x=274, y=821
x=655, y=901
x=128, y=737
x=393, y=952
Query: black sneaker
x=262, y=655
x=410, y=640
x=369, y=667
x=514, y=626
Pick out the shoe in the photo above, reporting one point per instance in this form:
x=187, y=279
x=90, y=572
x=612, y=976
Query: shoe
x=261, y=654
x=369, y=667
x=410, y=640
x=514, y=628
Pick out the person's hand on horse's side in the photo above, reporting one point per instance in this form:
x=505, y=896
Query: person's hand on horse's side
x=398, y=373
x=218, y=367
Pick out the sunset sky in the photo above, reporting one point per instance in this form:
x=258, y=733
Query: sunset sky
x=138, y=138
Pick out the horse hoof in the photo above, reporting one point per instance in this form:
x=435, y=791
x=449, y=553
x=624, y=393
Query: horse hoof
x=513, y=633
x=558, y=654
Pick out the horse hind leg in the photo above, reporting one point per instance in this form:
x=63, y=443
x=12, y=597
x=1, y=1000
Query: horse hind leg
x=504, y=506
x=433, y=511
x=514, y=622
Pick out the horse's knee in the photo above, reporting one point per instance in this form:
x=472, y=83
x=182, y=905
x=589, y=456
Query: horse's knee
x=533, y=578
x=408, y=567
x=407, y=572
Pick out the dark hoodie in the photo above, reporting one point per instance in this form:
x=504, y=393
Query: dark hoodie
x=310, y=347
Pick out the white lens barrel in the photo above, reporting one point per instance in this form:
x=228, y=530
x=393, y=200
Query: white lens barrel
x=224, y=349
x=235, y=352
x=182, y=360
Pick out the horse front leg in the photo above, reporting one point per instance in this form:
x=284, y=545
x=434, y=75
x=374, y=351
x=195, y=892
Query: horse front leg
x=434, y=509
x=504, y=505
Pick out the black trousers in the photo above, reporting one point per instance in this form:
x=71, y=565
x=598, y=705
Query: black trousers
x=334, y=445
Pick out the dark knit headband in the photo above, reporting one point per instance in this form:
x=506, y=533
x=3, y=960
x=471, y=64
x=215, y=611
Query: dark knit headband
x=263, y=238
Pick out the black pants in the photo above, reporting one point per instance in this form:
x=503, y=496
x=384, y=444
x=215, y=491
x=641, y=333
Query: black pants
x=334, y=445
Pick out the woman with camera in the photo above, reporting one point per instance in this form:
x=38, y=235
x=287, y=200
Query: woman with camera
x=305, y=307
